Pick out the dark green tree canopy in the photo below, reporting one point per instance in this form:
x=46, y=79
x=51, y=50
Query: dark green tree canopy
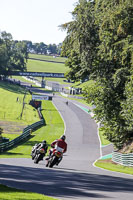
x=82, y=39
x=99, y=44
x=13, y=54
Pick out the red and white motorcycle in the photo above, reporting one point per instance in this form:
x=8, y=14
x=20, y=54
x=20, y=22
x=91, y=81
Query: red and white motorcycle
x=55, y=156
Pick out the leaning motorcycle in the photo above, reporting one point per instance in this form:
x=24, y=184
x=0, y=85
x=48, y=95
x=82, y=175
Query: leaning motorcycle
x=55, y=157
x=33, y=152
x=40, y=153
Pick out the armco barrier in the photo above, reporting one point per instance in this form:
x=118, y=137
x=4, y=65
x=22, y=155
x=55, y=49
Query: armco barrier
x=123, y=159
x=26, y=133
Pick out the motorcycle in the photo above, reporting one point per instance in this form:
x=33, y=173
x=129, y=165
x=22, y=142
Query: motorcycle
x=37, y=153
x=40, y=153
x=33, y=152
x=55, y=157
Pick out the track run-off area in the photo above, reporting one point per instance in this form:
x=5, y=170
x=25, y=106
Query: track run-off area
x=76, y=177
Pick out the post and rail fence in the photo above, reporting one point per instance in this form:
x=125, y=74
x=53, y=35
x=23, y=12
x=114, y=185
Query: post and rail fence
x=26, y=133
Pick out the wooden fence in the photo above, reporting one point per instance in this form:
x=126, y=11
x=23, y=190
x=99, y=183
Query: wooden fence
x=26, y=133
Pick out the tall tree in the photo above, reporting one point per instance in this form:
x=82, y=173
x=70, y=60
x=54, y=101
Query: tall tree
x=99, y=43
x=81, y=40
x=13, y=55
x=114, y=68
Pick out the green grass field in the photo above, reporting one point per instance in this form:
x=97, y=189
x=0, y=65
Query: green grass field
x=54, y=129
x=47, y=57
x=11, y=109
x=8, y=193
x=39, y=66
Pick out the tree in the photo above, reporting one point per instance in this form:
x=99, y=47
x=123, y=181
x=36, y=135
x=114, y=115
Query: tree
x=81, y=40
x=114, y=69
x=99, y=44
x=52, y=48
x=13, y=54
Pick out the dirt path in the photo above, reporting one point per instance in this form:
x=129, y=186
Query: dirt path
x=10, y=127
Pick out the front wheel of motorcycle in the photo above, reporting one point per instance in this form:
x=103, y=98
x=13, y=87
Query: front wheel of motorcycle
x=37, y=159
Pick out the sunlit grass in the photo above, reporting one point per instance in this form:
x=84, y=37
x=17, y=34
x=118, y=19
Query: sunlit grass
x=54, y=129
x=39, y=66
x=103, y=139
x=105, y=164
x=8, y=193
x=11, y=108
x=48, y=57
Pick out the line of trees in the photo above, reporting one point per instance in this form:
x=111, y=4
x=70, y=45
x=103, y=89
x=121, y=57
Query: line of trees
x=41, y=48
x=99, y=46
x=13, y=54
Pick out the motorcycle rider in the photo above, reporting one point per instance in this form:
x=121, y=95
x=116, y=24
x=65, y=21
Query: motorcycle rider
x=43, y=145
x=58, y=143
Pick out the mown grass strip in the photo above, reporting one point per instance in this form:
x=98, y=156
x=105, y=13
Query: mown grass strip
x=49, y=58
x=103, y=139
x=8, y=193
x=39, y=66
x=107, y=164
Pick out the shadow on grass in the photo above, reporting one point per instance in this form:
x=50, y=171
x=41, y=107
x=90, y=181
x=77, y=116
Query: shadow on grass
x=12, y=87
x=5, y=189
x=12, y=154
x=49, y=109
x=24, y=141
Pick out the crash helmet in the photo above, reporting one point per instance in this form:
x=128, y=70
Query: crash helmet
x=44, y=141
x=63, y=137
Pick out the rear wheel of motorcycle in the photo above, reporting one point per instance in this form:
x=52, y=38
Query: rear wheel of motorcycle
x=38, y=158
x=53, y=162
x=47, y=164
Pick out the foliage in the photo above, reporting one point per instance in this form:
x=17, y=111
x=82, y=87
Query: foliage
x=99, y=44
x=42, y=48
x=13, y=55
x=81, y=41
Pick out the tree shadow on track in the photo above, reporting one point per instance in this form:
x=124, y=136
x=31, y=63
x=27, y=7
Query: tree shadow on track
x=61, y=184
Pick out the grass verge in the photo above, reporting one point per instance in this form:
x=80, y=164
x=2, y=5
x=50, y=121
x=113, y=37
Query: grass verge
x=7, y=193
x=103, y=139
x=109, y=165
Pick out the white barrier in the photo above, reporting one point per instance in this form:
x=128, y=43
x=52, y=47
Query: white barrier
x=123, y=159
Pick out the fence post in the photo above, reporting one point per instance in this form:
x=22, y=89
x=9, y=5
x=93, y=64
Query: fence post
x=30, y=131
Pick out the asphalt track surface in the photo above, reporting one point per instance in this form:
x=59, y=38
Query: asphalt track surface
x=75, y=177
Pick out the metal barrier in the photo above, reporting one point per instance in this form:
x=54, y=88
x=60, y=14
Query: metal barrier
x=123, y=159
x=26, y=133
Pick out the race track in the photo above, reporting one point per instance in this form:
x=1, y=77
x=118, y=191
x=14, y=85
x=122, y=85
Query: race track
x=75, y=177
